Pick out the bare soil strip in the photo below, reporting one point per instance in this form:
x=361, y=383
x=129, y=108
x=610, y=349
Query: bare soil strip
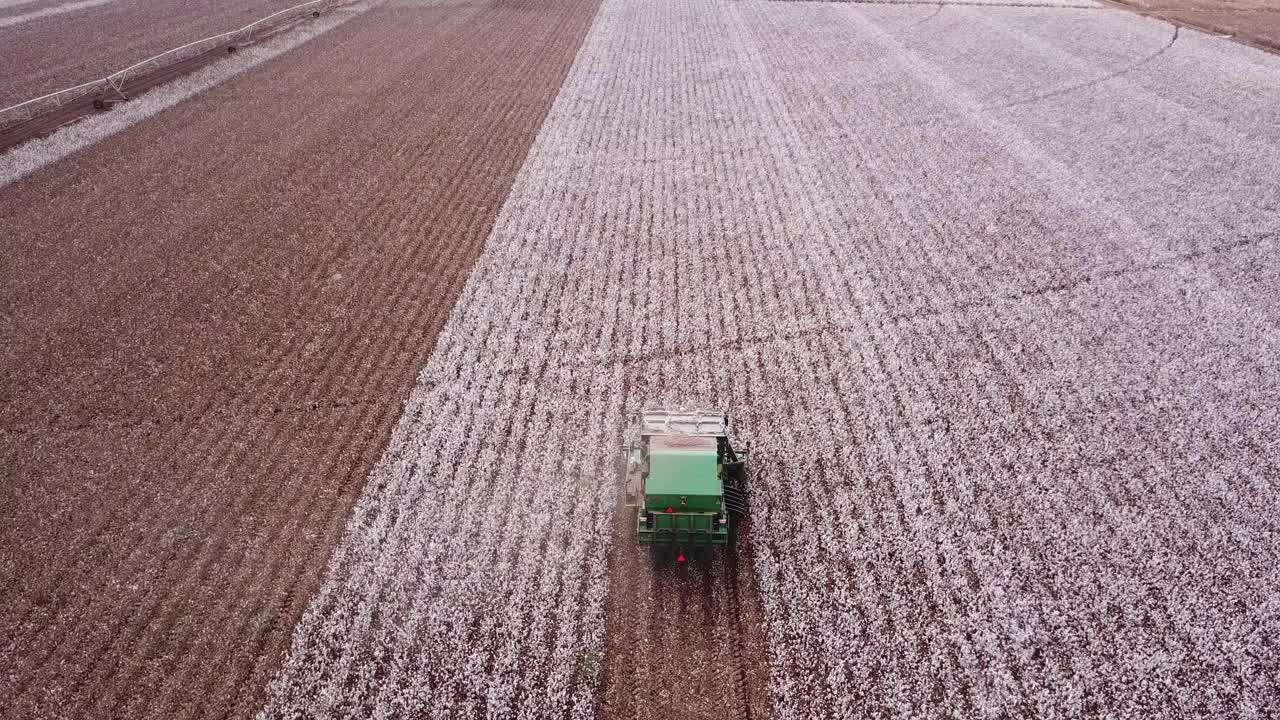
x=69, y=7
x=58, y=51
x=684, y=640
x=1254, y=22
x=46, y=123
x=72, y=137
x=211, y=323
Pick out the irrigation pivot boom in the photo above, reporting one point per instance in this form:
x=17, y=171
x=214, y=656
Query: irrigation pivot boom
x=685, y=476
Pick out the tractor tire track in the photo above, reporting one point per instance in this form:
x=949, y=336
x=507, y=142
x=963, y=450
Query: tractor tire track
x=685, y=640
x=1057, y=92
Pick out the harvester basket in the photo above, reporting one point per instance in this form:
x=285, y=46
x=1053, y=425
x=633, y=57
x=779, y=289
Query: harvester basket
x=634, y=466
x=736, y=492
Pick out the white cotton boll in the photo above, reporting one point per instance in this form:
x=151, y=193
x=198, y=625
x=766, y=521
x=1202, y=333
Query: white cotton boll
x=974, y=489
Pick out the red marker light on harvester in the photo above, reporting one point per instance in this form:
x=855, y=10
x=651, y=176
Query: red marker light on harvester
x=680, y=558
x=670, y=510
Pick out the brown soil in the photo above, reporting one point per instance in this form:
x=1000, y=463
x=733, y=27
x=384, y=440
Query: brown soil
x=1256, y=22
x=91, y=103
x=212, y=322
x=58, y=51
x=683, y=640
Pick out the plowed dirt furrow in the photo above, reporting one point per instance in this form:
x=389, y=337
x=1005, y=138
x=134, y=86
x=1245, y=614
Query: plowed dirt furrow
x=683, y=642
x=286, y=351
x=1256, y=22
x=261, y=289
x=167, y=621
x=51, y=53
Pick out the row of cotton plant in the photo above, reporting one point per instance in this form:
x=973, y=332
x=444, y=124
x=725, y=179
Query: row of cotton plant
x=1009, y=448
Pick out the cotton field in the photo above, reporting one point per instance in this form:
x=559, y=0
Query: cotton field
x=1013, y=438
x=988, y=287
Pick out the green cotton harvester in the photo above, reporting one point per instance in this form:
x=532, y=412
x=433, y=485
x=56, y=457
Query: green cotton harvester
x=685, y=476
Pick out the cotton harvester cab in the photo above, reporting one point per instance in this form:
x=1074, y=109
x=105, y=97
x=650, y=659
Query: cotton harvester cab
x=685, y=476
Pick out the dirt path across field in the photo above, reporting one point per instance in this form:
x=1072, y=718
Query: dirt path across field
x=1256, y=22
x=212, y=321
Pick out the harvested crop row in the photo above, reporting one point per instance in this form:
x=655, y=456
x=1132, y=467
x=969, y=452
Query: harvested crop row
x=1254, y=21
x=1011, y=435
x=207, y=348
x=34, y=14
x=49, y=53
x=63, y=129
x=686, y=640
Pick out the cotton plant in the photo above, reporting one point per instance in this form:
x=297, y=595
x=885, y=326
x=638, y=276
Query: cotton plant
x=968, y=377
